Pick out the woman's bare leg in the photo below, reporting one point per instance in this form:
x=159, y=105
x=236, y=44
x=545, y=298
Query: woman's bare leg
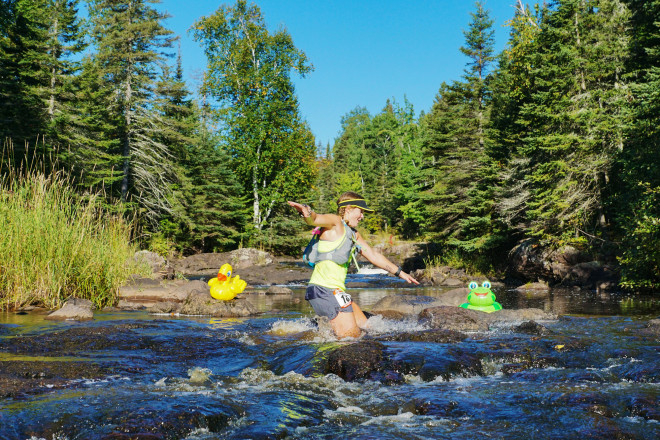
x=360, y=318
x=345, y=326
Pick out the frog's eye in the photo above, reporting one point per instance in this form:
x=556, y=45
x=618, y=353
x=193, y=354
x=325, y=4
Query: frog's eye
x=486, y=284
x=473, y=285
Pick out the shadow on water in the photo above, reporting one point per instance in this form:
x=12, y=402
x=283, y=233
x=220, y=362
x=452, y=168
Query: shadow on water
x=130, y=375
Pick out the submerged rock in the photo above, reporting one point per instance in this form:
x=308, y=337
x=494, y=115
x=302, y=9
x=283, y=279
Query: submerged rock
x=452, y=363
x=438, y=336
x=19, y=378
x=532, y=328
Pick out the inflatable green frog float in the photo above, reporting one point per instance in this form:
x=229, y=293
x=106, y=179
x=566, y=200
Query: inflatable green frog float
x=481, y=298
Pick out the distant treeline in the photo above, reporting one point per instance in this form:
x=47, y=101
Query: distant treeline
x=555, y=139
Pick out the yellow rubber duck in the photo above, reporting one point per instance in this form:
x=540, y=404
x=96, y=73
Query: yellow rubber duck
x=225, y=287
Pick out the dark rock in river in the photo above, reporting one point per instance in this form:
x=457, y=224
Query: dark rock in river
x=18, y=378
x=75, y=309
x=437, y=336
x=652, y=327
x=647, y=408
x=361, y=360
x=566, y=266
x=532, y=328
x=460, y=319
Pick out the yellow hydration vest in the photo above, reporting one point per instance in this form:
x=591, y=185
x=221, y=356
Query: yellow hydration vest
x=328, y=273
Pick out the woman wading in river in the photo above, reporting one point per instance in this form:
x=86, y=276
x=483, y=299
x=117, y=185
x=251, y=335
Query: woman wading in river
x=338, y=242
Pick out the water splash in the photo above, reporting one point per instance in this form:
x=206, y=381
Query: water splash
x=378, y=325
x=199, y=376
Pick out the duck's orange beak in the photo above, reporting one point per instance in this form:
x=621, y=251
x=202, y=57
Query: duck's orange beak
x=222, y=277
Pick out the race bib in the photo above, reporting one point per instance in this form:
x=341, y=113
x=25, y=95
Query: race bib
x=343, y=298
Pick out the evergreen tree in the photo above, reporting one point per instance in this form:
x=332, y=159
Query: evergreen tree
x=38, y=47
x=129, y=36
x=461, y=199
x=208, y=209
x=512, y=90
x=574, y=118
x=635, y=199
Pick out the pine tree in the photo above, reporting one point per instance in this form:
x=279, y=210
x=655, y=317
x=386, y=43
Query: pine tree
x=208, y=210
x=22, y=78
x=574, y=119
x=37, y=68
x=461, y=199
x=635, y=198
x=128, y=35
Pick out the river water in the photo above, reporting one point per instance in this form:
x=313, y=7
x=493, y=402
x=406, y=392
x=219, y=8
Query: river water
x=596, y=374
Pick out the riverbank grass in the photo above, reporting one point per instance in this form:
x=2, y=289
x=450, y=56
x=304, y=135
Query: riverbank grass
x=54, y=246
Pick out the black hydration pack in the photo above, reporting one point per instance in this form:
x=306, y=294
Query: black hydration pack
x=340, y=255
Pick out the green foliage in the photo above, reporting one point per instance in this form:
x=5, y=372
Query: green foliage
x=129, y=37
x=634, y=193
x=381, y=158
x=461, y=201
x=640, y=259
x=572, y=119
x=560, y=141
x=55, y=246
x=272, y=149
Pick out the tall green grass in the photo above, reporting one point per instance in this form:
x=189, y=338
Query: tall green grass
x=54, y=246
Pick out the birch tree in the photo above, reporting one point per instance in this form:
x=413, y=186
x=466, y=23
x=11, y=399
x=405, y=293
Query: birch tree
x=248, y=75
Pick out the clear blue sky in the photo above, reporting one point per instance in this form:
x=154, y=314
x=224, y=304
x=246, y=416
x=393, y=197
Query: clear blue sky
x=363, y=51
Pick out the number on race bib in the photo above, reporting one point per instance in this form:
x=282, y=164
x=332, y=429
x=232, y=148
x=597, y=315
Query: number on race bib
x=343, y=298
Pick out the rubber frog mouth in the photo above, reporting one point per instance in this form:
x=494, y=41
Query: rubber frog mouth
x=481, y=294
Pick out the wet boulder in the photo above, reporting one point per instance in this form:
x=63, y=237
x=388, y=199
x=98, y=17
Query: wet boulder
x=20, y=378
x=438, y=336
x=279, y=290
x=402, y=306
x=202, y=303
x=146, y=292
x=4, y=329
x=528, y=362
x=362, y=360
x=646, y=407
x=164, y=307
x=539, y=288
x=75, y=309
x=566, y=266
x=506, y=316
x=454, y=318
x=652, y=327
x=453, y=363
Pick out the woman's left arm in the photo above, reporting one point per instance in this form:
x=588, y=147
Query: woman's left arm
x=380, y=260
